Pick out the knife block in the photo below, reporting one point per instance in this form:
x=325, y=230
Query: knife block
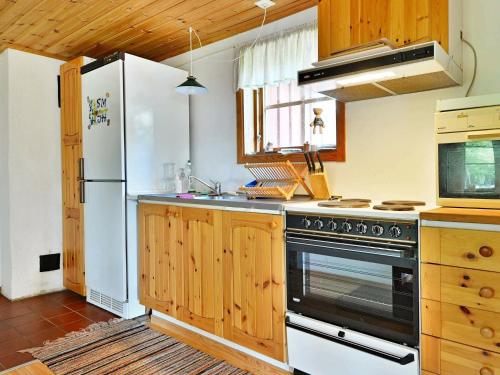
x=319, y=185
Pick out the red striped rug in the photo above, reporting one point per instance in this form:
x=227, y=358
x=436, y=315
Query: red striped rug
x=126, y=347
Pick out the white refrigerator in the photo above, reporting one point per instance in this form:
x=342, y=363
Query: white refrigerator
x=133, y=122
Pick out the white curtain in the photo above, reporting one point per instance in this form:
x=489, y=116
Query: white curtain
x=277, y=59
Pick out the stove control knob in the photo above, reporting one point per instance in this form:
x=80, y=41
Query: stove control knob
x=318, y=223
x=395, y=231
x=306, y=222
x=377, y=230
x=362, y=228
x=346, y=226
x=332, y=224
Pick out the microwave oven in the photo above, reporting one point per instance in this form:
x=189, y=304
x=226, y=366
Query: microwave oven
x=468, y=152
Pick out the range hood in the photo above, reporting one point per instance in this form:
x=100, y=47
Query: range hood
x=377, y=74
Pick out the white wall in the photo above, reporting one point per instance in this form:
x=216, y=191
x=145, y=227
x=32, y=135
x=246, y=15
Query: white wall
x=34, y=178
x=213, y=116
x=390, y=141
x=4, y=135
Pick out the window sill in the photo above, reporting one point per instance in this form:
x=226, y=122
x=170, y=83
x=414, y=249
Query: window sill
x=268, y=157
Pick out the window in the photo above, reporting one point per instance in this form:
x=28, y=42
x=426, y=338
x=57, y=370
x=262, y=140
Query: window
x=274, y=113
x=274, y=124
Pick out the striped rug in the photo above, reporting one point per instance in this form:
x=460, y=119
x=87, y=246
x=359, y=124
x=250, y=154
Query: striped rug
x=126, y=347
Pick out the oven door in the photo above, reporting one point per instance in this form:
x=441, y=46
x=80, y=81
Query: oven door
x=367, y=288
x=468, y=167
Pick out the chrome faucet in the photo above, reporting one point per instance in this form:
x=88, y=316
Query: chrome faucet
x=216, y=188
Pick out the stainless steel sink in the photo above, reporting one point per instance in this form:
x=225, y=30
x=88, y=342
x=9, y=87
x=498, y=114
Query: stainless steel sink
x=218, y=197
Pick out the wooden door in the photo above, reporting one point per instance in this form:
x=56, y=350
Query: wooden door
x=202, y=265
x=254, y=289
x=348, y=24
x=71, y=152
x=160, y=260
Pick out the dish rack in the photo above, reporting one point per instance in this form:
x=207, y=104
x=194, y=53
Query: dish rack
x=276, y=180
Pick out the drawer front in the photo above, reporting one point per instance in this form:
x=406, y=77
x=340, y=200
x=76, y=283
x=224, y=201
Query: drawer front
x=471, y=288
x=470, y=248
x=457, y=359
x=471, y=326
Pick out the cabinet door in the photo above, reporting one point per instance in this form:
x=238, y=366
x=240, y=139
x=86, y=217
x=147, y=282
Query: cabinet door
x=202, y=262
x=71, y=152
x=159, y=257
x=347, y=24
x=254, y=290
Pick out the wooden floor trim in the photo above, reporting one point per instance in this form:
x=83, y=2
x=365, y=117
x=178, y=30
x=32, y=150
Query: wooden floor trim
x=215, y=349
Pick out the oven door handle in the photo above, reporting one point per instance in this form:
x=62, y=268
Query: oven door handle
x=359, y=248
x=409, y=358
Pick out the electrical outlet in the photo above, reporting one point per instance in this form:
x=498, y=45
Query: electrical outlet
x=264, y=4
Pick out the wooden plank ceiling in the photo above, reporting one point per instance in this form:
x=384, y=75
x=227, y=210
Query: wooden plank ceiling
x=154, y=29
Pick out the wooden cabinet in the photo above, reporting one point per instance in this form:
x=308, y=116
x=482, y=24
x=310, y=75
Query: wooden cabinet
x=202, y=266
x=71, y=152
x=465, y=360
x=222, y=271
x=347, y=24
x=460, y=306
x=466, y=248
x=254, y=286
x=160, y=260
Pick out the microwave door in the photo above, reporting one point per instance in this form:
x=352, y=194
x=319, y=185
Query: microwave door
x=469, y=165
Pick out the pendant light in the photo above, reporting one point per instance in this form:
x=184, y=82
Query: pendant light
x=191, y=86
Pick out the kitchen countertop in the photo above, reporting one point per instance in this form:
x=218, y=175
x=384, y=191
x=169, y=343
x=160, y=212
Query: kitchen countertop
x=462, y=215
x=232, y=203
x=276, y=206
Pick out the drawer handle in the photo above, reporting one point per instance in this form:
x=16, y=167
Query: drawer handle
x=487, y=332
x=486, y=292
x=486, y=251
x=273, y=225
x=486, y=371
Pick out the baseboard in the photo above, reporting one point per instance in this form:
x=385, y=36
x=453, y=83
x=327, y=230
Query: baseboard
x=215, y=348
x=41, y=293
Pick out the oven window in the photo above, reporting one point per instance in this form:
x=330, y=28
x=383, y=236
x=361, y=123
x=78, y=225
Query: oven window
x=469, y=170
x=375, y=298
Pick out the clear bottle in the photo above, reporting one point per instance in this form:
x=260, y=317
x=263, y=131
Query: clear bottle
x=179, y=181
x=189, y=172
x=169, y=177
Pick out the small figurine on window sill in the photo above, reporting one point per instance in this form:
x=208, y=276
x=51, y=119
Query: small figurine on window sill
x=318, y=121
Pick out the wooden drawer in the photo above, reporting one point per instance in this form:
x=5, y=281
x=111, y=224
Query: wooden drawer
x=470, y=326
x=457, y=359
x=430, y=349
x=461, y=247
x=467, y=287
x=472, y=288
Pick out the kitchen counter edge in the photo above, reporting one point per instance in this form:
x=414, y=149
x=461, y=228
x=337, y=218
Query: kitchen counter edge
x=462, y=215
x=239, y=205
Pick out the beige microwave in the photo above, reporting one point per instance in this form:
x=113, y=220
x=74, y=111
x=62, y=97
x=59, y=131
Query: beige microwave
x=468, y=152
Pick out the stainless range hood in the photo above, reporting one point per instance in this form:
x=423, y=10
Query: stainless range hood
x=399, y=71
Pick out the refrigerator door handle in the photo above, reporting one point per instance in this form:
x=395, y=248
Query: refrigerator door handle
x=82, y=191
x=81, y=169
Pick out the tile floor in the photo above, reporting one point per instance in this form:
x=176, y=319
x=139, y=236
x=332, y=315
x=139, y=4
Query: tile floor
x=29, y=322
